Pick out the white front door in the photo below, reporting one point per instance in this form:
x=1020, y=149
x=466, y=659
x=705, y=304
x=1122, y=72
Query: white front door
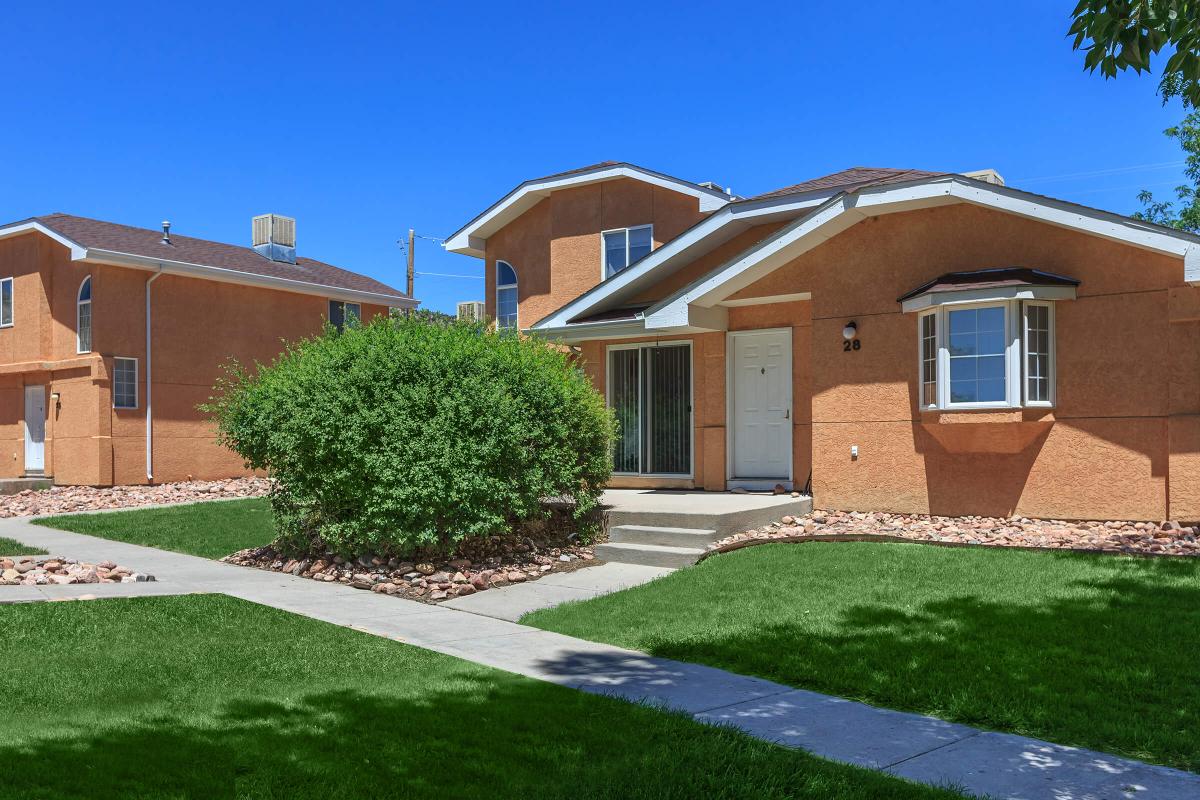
x=35, y=429
x=761, y=414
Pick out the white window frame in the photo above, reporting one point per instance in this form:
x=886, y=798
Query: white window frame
x=1015, y=352
x=91, y=317
x=688, y=343
x=136, y=378
x=12, y=302
x=1052, y=371
x=502, y=286
x=604, y=255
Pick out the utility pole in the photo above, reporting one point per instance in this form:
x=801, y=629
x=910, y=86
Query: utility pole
x=412, y=241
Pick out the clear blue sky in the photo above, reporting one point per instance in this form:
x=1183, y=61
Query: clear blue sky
x=362, y=121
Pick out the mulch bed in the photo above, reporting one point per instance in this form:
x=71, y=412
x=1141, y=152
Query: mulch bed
x=1136, y=538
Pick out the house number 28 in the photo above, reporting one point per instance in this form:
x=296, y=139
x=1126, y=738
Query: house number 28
x=852, y=344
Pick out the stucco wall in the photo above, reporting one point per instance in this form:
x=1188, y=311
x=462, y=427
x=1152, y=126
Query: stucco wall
x=555, y=247
x=1123, y=440
x=1102, y=452
x=197, y=326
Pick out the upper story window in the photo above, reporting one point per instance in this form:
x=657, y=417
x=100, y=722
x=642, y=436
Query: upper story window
x=83, y=317
x=341, y=313
x=625, y=246
x=506, y=295
x=986, y=338
x=6, y=303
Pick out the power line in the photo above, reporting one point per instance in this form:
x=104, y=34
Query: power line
x=446, y=275
x=1099, y=172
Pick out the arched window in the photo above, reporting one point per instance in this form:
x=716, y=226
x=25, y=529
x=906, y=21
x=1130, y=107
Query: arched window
x=83, y=317
x=506, y=295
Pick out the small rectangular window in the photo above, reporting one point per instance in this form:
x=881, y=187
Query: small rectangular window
x=625, y=246
x=929, y=354
x=6, y=302
x=341, y=313
x=125, y=383
x=1037, y=353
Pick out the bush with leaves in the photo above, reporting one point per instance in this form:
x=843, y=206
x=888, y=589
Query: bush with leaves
x=405, y=434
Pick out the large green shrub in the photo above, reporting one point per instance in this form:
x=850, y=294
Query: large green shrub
x=405, y=433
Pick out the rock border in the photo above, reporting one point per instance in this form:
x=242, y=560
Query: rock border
x=1147, y=539
x=58, y=571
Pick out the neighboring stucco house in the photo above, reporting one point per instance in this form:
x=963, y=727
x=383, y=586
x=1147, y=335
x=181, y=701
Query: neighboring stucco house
x=111, y=335
x=899, y=340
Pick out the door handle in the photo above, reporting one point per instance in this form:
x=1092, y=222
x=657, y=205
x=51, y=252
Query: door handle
x=787, y=413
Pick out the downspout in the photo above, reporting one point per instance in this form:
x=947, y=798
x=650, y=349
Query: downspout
x=149, y=384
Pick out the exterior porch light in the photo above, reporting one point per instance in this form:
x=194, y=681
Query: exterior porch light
x=850, y=331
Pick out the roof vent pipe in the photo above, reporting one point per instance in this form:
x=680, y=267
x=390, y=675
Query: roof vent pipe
x=166, y=232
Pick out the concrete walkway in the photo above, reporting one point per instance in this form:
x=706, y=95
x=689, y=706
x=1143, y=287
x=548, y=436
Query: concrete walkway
x=512, y=602
x=920, y=748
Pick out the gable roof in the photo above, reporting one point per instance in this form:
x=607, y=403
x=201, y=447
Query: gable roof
x=110, y=242
x=471, y=238
x=734, y=217
x=698, y=306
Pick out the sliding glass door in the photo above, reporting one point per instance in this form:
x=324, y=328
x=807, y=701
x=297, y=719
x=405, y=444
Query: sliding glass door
x=650, y=389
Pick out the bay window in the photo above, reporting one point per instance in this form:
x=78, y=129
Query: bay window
x=986, y=355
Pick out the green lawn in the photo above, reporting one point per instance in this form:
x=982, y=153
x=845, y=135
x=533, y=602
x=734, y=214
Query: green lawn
x=1099, y=651
x=9, y=547
x=212, y=530
x=213, y=697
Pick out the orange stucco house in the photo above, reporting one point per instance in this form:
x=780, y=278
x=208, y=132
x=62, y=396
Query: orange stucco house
x=895, y=340
x=111, y=335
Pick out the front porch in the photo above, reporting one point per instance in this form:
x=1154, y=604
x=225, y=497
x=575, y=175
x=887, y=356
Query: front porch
x=670, y=528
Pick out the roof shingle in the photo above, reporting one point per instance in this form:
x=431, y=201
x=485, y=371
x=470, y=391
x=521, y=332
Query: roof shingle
x=94, y=233
x=853, y=178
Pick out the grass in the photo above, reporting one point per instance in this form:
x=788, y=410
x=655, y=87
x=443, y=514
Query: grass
x=11, y=547
x=213, y=697
x=1098, y=651
x=211, y=530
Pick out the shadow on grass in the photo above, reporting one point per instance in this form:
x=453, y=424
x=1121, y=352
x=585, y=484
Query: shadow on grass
x=485, y=738
x=1107, y=663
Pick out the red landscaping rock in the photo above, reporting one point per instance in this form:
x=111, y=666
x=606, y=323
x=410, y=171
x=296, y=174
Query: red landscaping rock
x=62, y=499
x=1165, y=538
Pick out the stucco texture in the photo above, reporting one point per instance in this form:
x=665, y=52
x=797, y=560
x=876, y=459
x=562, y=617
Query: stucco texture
x=564, y=230
x=1123, y=440
x=197, y=326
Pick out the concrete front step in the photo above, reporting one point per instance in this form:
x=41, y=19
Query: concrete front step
x=671, y=537
x=651, y=555
x=724, y=523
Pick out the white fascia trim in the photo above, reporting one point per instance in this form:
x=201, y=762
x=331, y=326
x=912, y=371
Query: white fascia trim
x=587, y=331
x=471, y=238
x=844, y=210
x=742, y=211
x=18, y=228
x=934, y=299
x=768, y=300
x=93, y=255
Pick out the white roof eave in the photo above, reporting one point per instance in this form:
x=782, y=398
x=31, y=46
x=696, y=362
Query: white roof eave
x=470, y=239
x=843, y=210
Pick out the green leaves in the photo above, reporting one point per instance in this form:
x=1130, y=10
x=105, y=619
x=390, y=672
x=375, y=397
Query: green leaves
x=1125, y=34
x=411, y=432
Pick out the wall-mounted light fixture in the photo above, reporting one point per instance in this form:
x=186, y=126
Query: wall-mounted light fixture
x=850, y=331
x=56, y=397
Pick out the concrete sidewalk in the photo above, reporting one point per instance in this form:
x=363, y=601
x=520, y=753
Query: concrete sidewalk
x=513, y=602
x=920, y=748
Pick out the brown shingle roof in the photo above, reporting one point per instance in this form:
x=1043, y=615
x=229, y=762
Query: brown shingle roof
x=991, y=278
x=94, y=233
x=853, y=178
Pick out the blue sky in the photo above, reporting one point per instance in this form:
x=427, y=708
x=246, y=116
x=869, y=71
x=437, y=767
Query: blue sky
x=364, y=120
